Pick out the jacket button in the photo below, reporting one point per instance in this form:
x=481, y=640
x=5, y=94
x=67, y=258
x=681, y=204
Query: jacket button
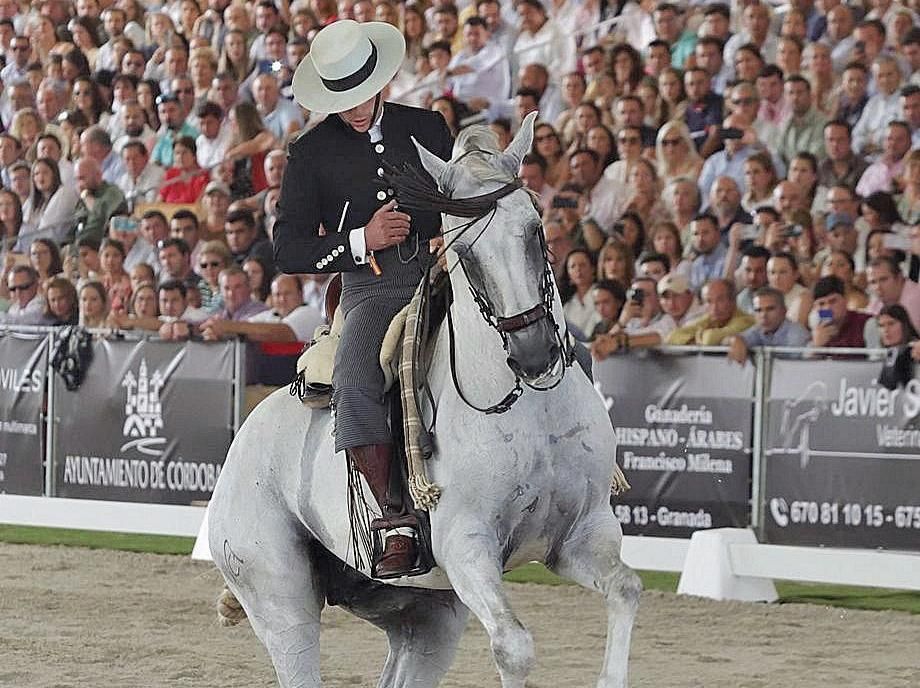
x=319, y=265
x=379, y=148
x=341, y=249
x=335, y=253
x=379, y=171
x=381, y=196
x=390, y=192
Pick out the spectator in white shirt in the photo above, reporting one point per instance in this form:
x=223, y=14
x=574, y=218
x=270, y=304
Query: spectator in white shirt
x=17, y=60
x=542, y=41
x=480, y=71
x=213, y=142
x=49, y=209
x=27, y=306
x=882, y=108
x=114, y=20
x=142, y=179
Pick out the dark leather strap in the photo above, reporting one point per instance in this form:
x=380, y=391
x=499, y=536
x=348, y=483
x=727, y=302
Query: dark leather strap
x=522, y=320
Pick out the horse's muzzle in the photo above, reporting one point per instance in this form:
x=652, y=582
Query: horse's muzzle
x=533, y=351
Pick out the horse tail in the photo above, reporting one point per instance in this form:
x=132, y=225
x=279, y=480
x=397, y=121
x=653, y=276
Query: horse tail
x=229, y=610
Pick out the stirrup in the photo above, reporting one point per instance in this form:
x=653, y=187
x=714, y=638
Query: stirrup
x=402, y=557
x=395, y=521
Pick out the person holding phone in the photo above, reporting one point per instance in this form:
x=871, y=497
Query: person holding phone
x=834, y=324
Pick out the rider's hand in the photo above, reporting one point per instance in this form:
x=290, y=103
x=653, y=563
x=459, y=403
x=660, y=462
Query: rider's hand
x=386, y=228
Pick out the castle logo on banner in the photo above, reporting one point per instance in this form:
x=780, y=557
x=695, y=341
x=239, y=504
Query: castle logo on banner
x=143, y=411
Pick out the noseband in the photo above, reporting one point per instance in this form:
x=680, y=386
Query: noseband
x=418, y=191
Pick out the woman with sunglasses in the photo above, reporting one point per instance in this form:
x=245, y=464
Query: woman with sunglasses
x=676, y=153
x=214, y=257
x=629, y=150
x=88, y=100
x=548, y=145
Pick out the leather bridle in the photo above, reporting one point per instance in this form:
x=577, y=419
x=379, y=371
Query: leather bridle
x=418, y=191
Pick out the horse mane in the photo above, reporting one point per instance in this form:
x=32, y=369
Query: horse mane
x=476, y=151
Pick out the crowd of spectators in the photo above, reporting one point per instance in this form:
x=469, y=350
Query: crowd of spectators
x=708, y=173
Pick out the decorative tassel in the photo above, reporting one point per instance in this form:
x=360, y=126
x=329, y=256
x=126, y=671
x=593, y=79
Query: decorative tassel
x=619, y=484
x=425, y=494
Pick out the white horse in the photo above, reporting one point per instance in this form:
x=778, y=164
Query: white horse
x=532, y=483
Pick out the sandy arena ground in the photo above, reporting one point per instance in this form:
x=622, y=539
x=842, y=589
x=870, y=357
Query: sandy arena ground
x=93, y=619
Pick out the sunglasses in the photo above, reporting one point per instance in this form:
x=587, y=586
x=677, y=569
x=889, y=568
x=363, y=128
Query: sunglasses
x=671, y=142
x=21, y=287
x=209, y=264
x=184, y=90
x=629, y=139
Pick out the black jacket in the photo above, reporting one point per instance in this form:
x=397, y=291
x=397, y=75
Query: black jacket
x=332, y=164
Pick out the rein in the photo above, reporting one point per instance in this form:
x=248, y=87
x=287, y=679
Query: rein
x=418, y=191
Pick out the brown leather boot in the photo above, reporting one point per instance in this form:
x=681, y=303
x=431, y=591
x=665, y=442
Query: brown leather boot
x=399, y=551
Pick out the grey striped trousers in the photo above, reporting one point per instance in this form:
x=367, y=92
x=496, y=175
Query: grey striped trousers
x=369, y=304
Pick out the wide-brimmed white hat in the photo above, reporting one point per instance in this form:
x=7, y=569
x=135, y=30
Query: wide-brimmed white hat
x=348, y=63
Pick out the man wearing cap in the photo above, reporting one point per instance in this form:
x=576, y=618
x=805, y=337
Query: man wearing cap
x=679, y=307
x=841, y=236
x=335, y=179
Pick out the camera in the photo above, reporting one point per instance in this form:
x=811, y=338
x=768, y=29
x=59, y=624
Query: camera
x=564, y=202
x=637, y=296
x=730, y=133
x=749, y=232
x=792, y=231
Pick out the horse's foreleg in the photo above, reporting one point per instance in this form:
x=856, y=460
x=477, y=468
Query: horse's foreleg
x=471, y=558
x=590, y=556
x=271, y=572
x=423, y=640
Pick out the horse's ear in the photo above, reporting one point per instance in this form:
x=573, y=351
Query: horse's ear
x=432, y=163
x=522, y=142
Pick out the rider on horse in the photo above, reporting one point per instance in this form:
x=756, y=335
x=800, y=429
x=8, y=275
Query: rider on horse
x=337, y=214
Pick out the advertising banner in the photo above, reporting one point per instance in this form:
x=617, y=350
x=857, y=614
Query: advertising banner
x=842, y=457
x=23, y=362
x=151, y=422
x=684, y=435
